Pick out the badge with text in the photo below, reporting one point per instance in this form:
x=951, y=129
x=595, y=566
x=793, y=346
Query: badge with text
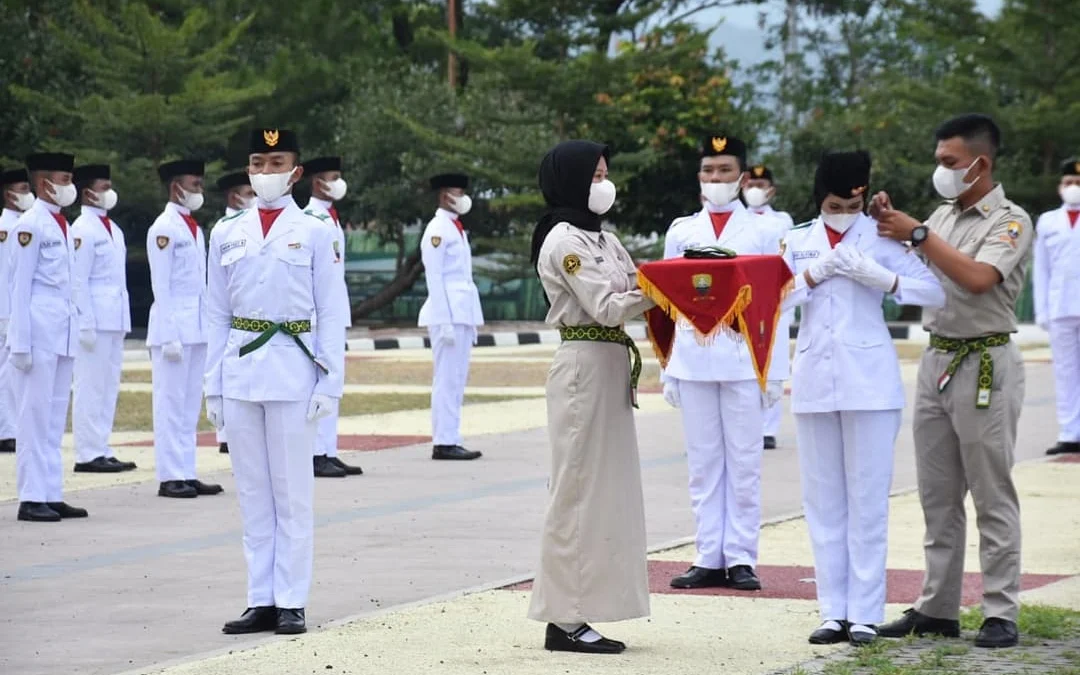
x=162, y=242
x=230, y=245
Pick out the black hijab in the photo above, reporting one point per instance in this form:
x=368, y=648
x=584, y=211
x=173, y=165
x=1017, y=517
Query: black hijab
x=566, y=175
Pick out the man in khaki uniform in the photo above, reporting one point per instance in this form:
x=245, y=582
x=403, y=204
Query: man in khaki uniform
x=971, y=382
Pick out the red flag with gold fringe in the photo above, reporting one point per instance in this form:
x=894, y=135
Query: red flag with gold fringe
x=741, y=296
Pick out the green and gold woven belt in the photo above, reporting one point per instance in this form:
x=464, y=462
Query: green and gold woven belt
x=614, y=335
x=961, y=349
x=267, y=329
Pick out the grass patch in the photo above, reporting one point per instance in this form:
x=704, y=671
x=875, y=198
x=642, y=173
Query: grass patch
x=134, y=410
x=1035, y=621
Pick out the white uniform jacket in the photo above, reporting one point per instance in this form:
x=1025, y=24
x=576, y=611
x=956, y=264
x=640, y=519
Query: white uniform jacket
x=726, y=359
x=782, y=217
x=178, y=278
x=101, y=268
x=321, y=210
x=43, y=310
x=1056, y=276
x=8, y=217
x=844, y=356
x=291, y=274
x=452, y=295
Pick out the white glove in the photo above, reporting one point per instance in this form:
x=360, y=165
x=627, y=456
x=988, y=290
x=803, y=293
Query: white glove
x=774, y=391
x=321, y=406
x=87, y=338
x=671, y=394
x=446, y=334
x=214, y=411
x=826, y=267
x=868, y=272
x=21, y=361
x=172, y=351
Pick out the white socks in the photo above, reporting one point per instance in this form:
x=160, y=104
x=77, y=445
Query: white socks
x=588, y=636
x=860, y=628
x=831, y=625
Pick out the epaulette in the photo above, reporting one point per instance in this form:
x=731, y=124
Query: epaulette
x=321, y=216
x=680, y=220
x=232, y=217
x=802, y=226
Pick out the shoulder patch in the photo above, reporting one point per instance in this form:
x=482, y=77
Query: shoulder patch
x=571, y=263
x=435, y=241
x=1014, y=228
x=3, y=236
x=78, y=243
x=162, y=242
x=25, y=238
x=321, y=216
x=802, y=226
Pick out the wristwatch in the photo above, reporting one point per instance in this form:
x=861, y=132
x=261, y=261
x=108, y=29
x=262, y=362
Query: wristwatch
x=919, y=235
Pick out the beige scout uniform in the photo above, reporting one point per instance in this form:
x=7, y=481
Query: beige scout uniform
x=965, y=433
x=592, y=556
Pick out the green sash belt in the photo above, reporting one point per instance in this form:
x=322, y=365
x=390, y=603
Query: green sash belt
x=267, y=329
x=961, y=349
x=614, y=335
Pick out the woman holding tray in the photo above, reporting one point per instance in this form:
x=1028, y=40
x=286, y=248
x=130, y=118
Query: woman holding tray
x=847, y=395
x=592, y=555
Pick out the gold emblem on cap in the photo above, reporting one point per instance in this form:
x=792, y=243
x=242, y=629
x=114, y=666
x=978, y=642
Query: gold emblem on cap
x=855, y=192
x=1076, y=167
x=759, y=171
x=718, y=144
x=271, y=136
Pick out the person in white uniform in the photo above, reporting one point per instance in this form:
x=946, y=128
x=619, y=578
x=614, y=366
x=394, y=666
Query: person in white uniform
x=16, y=199
x=327, y=187
x=1056, y=282
x=717, y=389
x=176, y=333
x=42, y=338
x=104, y=320
x=451, y=312
x=269, y=379
x=759, y=193
x=238, y=196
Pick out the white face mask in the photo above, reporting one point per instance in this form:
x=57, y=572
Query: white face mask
x=65, y=195
x=601, y=197
x=950, y=182
x=245, y=204
x=335, y=189
x=105, y=200
x=271, y=186
x=720, y=194
x=23, y=200
x=756, y=197
x=192, y=201
x=462, y=204
x=1070, y=194
x=840, y=222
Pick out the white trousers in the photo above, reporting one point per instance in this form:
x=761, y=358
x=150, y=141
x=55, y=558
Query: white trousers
x=270, y=448
x=846, y=463
x=177, y=404
x=8, y=410
x=451, y=372
x=326, y=435
x=771, y=418
x=221, y=437
x=1065, y=347
x=43, y=394
x=722, y=425
x=96, y=388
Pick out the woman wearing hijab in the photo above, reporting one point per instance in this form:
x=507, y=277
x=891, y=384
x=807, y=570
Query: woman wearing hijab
x=847, y=395
x=592, y=557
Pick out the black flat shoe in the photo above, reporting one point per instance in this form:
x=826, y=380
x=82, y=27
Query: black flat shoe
x=124, y=466
x=700, y=577
x=223, y=448
x=997, y=634
x=68, y=511
x=37, y=512
x=743, y=578
x=862, y=638
x=98, y=465
x=770, y=442
x=558, y=640
x=7, y=445
x=453, y=452
x=290, y=622
x=202, y=488
x=177, y=489
x=1064, y=447
x=324, y=468
x=914, y=623
x=253, y=620
x=349, y=469
x=825, y=635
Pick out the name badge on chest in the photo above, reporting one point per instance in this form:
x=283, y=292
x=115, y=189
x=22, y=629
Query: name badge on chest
x=804, y=255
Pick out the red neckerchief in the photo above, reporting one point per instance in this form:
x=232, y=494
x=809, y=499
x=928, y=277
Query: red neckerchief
x=192, y=224
x=1072, y=217
x=107, y=224
x=834, y=236
x=459, y=226
x=62, y=222
x=333, y=214
x=719, y=221
x=267, y=218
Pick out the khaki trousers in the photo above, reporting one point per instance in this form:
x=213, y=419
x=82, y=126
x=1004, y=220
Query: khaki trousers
x=959, y=448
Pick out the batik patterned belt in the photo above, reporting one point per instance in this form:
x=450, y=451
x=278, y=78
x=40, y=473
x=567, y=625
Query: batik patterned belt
x=267, y=329
x=960, y=348
x=614, y=335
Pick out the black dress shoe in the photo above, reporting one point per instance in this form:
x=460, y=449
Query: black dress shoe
x=914, y=623
x=67, y=511
x=38, y=512
x=125, y=466
x=290, y=622
x=177, y=489
x=324, y=468
x=1064, y=447
x=700, y=577
x=348, y=468
x=862, y=638
x=253, y=620
x=7, y=445
x=997, y=633
x=830, y=636
x=98, y=465
x=743, y=578
x=770, y=442
x=558, y=640
x=453, y=452
x=223, y=448
x=205, y=488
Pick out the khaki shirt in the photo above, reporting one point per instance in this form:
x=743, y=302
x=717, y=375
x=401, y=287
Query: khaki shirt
x=994, y=231
x=589, y=279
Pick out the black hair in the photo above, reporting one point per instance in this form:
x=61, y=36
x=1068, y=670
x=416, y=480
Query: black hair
x=973, y=128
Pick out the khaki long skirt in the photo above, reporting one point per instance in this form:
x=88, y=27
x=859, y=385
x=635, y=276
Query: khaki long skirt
x=592, y=556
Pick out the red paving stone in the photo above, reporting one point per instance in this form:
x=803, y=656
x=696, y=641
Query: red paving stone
x=1068, y=459
x=797, y=583
x=363, y=443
